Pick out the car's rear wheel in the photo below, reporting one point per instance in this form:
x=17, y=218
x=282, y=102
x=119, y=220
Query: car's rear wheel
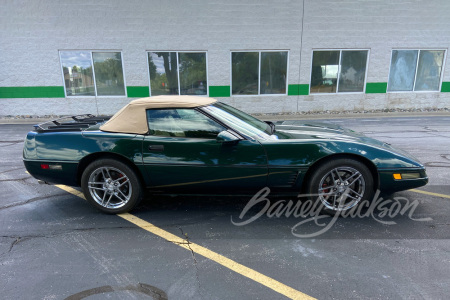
x=111, y=186
x=341, y=184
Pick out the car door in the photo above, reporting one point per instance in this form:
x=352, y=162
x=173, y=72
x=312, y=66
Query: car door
x=181, y=152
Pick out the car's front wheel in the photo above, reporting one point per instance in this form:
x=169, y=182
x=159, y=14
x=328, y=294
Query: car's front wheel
x=111, y=186
x=341, y=184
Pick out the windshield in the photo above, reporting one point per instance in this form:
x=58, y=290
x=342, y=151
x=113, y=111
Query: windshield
x=240, y=121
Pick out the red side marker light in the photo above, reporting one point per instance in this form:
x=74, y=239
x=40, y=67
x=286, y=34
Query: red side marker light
x=45, y=166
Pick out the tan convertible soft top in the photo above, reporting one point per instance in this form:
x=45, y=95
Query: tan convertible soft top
x=132, y=117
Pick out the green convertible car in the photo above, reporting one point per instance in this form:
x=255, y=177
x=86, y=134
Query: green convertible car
x=188, y=144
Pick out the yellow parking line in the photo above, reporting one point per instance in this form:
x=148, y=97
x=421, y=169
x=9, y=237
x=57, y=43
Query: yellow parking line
x=71, y=190
x=220, y=259
x=430, y=193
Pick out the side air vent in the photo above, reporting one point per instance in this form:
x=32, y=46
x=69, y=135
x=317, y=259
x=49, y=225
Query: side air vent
x=293, y=178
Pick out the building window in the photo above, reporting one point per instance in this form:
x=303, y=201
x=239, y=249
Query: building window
x=92, y=73
x=178, y=73
x=259, y=72
x=338, y=71
x=415, y=70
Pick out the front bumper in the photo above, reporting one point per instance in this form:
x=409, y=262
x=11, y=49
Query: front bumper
x=390, y=185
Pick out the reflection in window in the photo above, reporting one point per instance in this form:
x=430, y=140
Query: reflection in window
x=353, y=71
x=187, y=123
x=192, y=73
x=273, y=72
x=108, y=73
x=403, y=70
x=404, y=76
x=244, y=73
x=77, y=72
x=163, y=73
x=176, y=73
x=324, y=72
x=429, y=70
x=338, y=71
x=256, y=73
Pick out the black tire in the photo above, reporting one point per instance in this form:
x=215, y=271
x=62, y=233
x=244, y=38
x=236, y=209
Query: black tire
x=341, y=184
x=111, y=186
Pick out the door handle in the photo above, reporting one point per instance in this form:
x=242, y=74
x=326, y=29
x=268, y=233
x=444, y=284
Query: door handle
x=158, y=148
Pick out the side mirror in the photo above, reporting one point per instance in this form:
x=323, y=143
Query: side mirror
x=226, y=137
x=272, y=126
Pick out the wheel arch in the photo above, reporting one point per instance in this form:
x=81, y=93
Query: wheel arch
x=369, y=164
x=87, y=160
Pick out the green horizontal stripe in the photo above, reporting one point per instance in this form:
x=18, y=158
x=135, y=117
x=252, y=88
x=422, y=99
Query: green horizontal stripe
x=219, y=91
x=376, y=87
x=32, y=92
x=143, y=91
x=298, y=89
x=445, y=87
x=138, y=91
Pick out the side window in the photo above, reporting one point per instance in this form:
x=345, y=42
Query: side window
x=187, y=123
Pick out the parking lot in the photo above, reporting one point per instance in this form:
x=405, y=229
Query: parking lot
x=53, y=245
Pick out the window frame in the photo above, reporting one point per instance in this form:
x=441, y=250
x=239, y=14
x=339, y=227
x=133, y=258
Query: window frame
x=259, y=73
x=417, y=66
x=339, y=70
x=93, y=73
x=178, y=70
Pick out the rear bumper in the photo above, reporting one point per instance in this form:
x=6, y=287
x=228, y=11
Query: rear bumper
x=390, y=185
x=66, y=174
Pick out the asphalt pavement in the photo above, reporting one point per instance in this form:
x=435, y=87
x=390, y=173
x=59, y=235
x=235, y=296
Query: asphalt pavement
x=54, y=245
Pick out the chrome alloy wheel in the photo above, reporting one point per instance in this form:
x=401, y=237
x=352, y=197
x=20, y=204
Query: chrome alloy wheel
x=341, y=188
x=110, y=187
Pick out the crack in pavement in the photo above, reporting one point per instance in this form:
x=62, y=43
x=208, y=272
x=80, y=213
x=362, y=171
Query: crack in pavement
x=437, y=164
x=437, y=135
x=12, y=170
x=193, y=257
x=18, y=239
x=64, y=232
x=398, y=131
x=16, y=179
x=393, y=137
x=445, y=156
x=15, y=141
x=31, y=200
x=429, y=129
x=9, y=143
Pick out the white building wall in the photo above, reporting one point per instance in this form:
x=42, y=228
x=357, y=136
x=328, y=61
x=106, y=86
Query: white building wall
x=379, y=26
x=32, y=32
